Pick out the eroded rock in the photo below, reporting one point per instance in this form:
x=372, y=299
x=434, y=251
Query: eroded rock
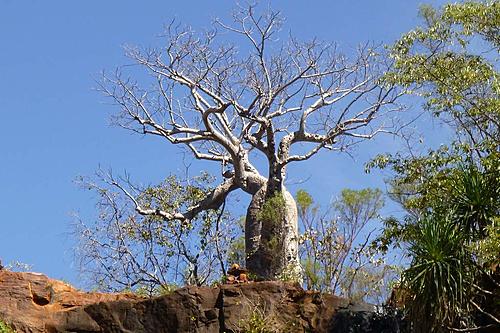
x=31, y=302
x=34, y=303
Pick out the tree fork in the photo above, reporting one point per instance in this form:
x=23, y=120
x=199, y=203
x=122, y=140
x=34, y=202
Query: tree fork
x=222, y=102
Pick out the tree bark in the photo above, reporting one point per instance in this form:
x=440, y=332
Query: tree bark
x=272, y=244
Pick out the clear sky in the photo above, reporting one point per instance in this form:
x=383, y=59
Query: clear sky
x=56, y=127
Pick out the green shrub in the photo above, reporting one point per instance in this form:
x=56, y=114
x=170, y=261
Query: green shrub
x=257, y=322
x=274, y=209
x=4, y=328
x=439, y=277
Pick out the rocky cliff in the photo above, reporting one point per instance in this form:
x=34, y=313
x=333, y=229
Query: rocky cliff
x=31, y=302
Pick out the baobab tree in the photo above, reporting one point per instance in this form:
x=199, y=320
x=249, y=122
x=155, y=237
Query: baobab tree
x=283, y=99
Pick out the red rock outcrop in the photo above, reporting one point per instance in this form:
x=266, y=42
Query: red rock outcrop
x=33, y=303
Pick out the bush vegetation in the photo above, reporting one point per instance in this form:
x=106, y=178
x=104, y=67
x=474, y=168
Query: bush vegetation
x=4, y=328
x=450, y=228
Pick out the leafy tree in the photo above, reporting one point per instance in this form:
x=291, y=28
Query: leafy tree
x=123, y=249
x=271, y=95
x=452, y=193
x=335, y=248
x=452, y=63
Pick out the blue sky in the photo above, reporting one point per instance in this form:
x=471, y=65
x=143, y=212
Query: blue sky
x=56, y=127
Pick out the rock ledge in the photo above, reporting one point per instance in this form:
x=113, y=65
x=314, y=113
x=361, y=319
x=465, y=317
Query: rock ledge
x=33, y=303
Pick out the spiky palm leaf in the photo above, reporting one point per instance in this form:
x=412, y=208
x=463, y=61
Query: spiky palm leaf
x=439, y=276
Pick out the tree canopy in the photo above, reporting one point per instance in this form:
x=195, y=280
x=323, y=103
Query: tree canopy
x=451, y=194
x=269, y=95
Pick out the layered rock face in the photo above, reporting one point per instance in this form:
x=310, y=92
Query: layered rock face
x=33, y=303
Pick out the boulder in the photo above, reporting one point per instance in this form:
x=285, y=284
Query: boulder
x=356, y=320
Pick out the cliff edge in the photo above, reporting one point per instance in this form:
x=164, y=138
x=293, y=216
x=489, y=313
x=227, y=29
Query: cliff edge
x=34, y=303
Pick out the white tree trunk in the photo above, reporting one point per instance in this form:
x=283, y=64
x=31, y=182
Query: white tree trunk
x=272, y=246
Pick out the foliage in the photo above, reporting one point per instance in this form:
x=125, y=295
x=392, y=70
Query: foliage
x=335, y=254
x=304, y=201
x=454, y=247
x=439, y=278
x=452, y=63
x=4, y=328
x=475, y=201
x=272, y=216
x=256, y=323
x=236, y=252
x=452, y=232
x=437, y=185
x=273, y=209
x=275, y=226
x=451, y=194
x=372, y=282
x=487, y=249
x=126, y=250
x=261, y=318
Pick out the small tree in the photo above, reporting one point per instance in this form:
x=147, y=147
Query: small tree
x=281, y=98
x=336, y=252
x=127, y=250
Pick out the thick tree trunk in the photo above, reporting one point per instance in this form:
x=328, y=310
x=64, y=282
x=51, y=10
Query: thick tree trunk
x=271, y=244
